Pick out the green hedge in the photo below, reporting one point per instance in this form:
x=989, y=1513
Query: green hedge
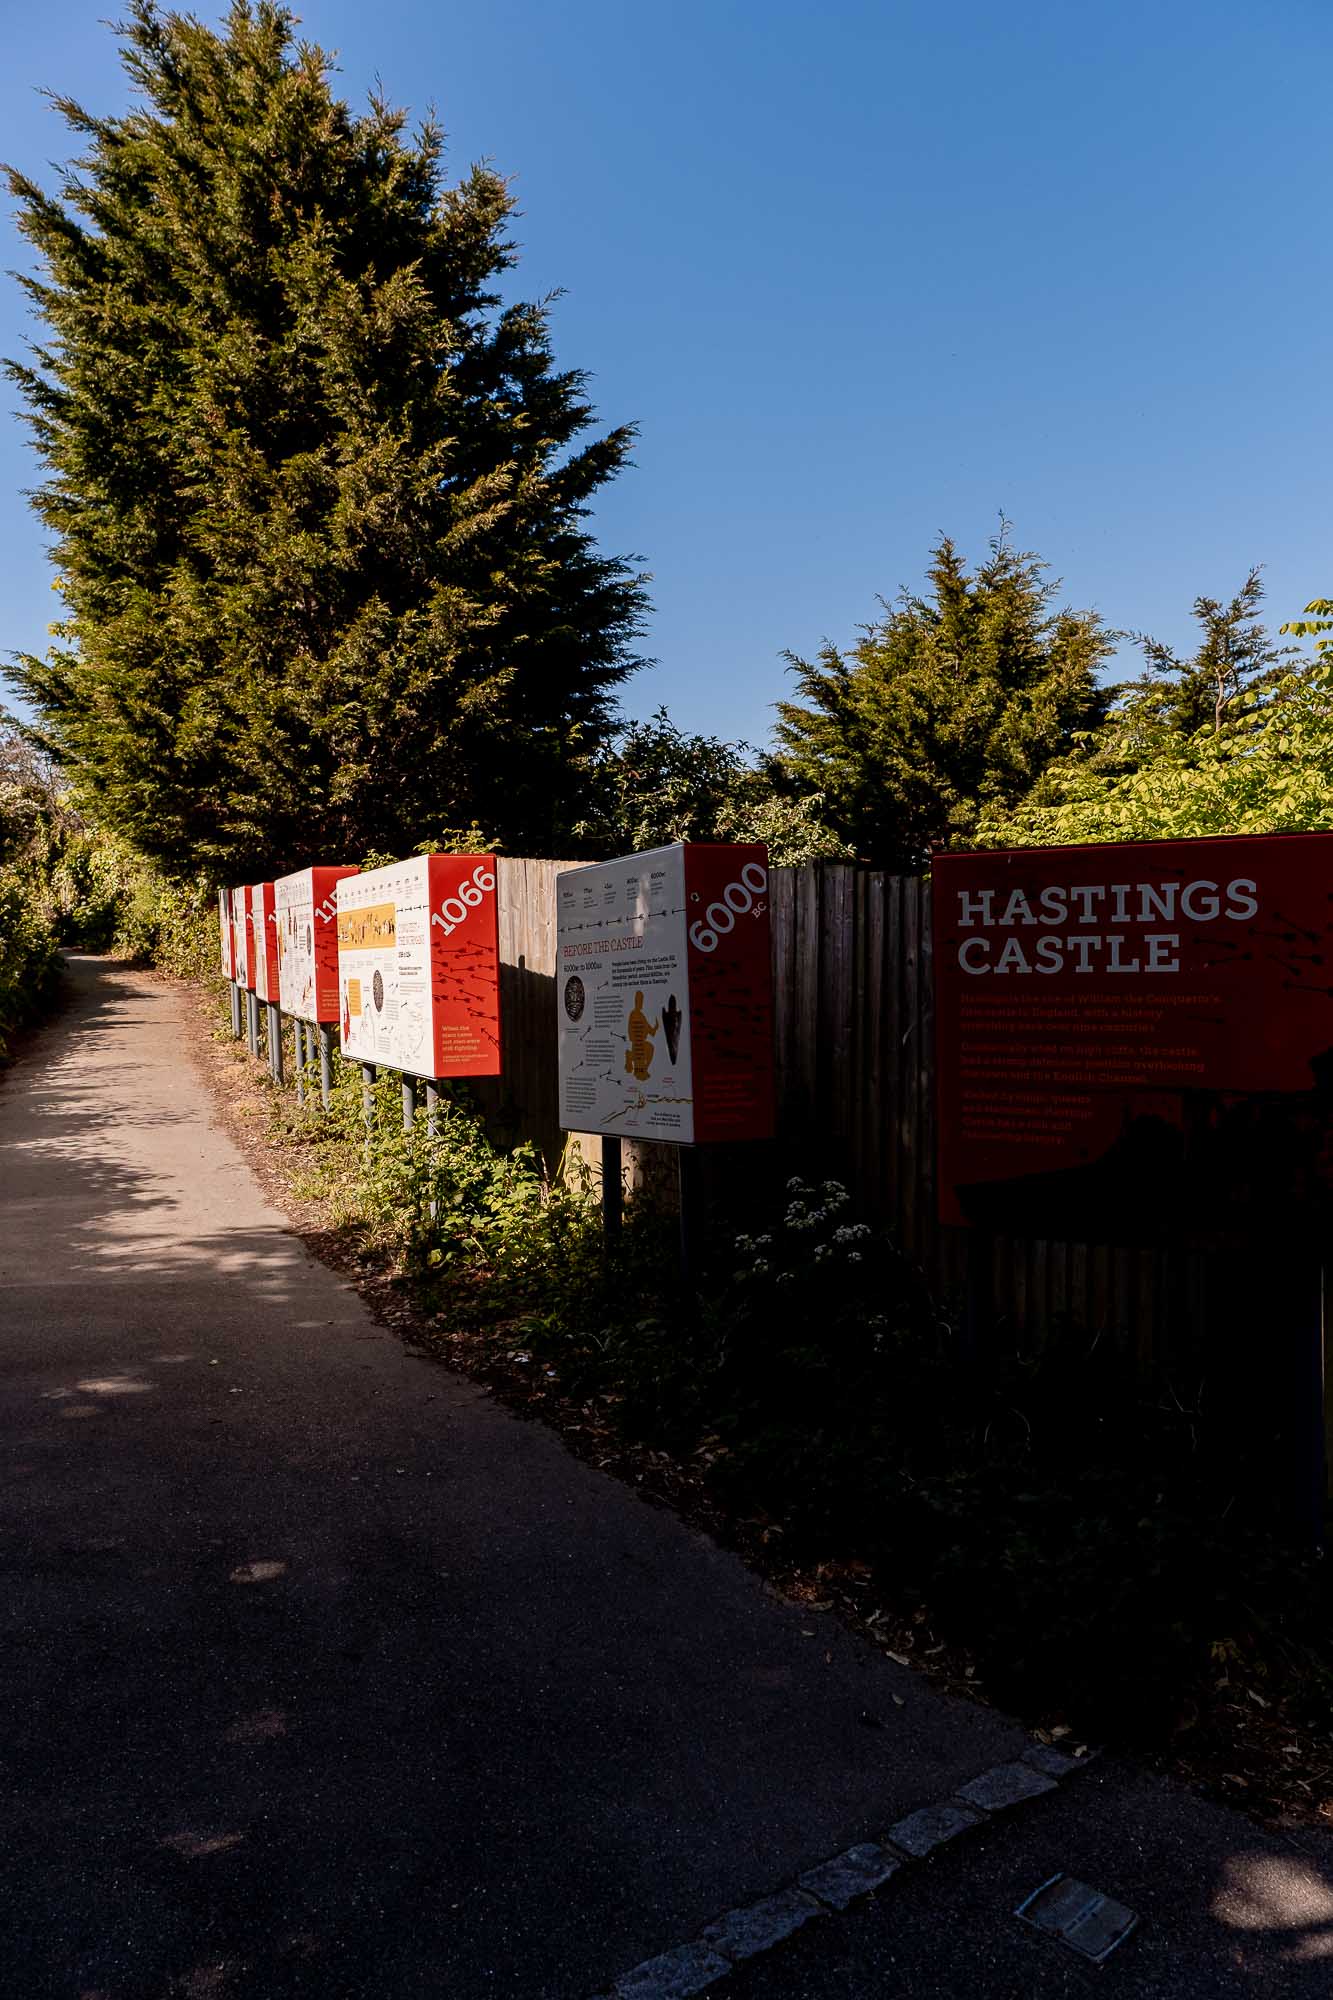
x=29, y=952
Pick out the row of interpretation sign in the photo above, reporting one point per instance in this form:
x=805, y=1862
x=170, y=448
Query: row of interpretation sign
x=1126, y=1035
x=664, y=999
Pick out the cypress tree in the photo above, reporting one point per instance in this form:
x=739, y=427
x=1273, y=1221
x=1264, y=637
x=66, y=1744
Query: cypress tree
x=949, y=705
x=318, y=497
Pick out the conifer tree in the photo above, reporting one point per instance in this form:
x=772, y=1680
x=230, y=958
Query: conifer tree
x=1235, y=658
x=318, y=497
x=949, y=704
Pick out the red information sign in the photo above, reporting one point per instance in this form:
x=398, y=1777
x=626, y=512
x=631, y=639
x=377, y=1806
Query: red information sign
x=263, y=942
x=419, y=966
x=1134, y=1038
x=306, y=921
x=731, y=991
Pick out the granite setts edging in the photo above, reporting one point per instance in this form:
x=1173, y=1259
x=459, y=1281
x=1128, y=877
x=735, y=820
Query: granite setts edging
x=739, y=1935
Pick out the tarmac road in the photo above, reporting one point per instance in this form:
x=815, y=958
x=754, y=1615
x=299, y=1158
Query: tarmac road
x=325, y=1676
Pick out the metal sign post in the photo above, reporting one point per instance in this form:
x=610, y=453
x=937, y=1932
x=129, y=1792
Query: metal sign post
x=613, y=1187
x=325, y=1065
x=691, y=1218
x=433, y=1131
x=1311, y=1391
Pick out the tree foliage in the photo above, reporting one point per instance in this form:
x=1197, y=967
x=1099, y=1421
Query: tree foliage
x=1235, y=665
x=949, y=704
x=1276, y=777
x=1174, y=762
x=318, y=498
x=1317, y=624
x=33, y=824
x=652, y=784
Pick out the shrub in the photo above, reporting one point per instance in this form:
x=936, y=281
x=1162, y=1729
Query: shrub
x=29, y=952
x=1078, y=1544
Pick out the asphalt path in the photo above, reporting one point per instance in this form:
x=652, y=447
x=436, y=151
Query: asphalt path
x=323, y=1675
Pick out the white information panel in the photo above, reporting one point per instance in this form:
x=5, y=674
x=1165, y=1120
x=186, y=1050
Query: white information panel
x=306, y=909
x=224, y=929
x=240, y=936
x=419, y=966
x=622, y=998
x=384, y=966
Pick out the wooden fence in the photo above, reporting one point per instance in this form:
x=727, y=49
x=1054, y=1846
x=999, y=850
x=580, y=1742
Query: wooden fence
x=855, y=1059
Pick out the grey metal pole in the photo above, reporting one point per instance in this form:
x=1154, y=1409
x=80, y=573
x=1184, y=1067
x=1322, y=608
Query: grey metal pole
x=432, y=1132
x=298, y=1054
x=325, y=1064
x=368, y=1096
x=687, y=1170
x=252, y=1014
x=409, y=1103
x=234, y=993
x=275, y=1042
x=613, y=1187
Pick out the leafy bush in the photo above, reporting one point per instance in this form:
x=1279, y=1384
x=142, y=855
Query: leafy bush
x=448, y=1209
x=111, y=899
x=1081, y=1546
x=29, y=952
x=1267, y=769
x=1111, y=1591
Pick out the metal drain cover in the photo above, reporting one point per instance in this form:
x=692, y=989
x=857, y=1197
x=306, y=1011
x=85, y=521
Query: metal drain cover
x=1088, y=1922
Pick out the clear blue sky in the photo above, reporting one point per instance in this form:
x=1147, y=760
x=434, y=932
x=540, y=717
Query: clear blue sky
x=865, y=272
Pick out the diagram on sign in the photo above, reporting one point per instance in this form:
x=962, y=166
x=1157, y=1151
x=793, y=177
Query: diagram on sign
x=671, y=1021
x=639, y=1054
x=664, y=995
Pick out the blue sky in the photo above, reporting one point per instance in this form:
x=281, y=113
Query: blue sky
x=862, y=273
